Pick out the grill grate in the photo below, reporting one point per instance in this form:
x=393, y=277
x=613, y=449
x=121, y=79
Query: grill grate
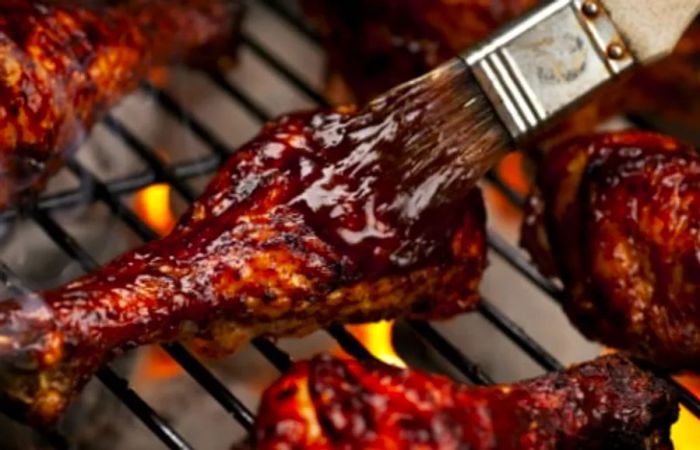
x=177, y=175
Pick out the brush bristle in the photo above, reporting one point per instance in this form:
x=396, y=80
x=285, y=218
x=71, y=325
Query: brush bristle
x=405, y=164
x=451, y=134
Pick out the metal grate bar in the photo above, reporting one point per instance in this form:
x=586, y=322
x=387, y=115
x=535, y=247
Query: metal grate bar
x=158, y=166
x=115, y=204
x=212, y=385
x=282, y=69
x=281, y=360
x=169, y=104
x=455, y=357
x=120, y=388
x=292, y=19
x=242, y=98
x=65, y=241
x=519, y=262
x=121, y=186
x=688, y=399
x=519, y=336
x=349, y=343
x=512, y=196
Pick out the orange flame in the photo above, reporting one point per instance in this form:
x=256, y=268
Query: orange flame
x=512, y=171
x=686, y=432
x=152, y=205
x=377, y=338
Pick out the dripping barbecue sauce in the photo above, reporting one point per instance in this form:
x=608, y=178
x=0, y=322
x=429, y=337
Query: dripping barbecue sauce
x=347, y=174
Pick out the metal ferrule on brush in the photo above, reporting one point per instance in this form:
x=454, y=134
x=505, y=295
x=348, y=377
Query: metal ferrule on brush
x=539, y=66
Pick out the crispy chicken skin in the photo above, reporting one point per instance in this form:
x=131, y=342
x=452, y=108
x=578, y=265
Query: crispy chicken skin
x=327, y=403
x=64, y=63
x=299, y=230
x=618, y=215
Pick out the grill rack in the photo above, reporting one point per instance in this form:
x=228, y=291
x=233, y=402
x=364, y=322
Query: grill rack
x=176, y=175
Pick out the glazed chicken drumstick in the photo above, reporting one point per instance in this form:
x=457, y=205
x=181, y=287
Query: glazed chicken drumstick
x=65, y=62
x=313, y=222
x=326, y=404
x=617, y=218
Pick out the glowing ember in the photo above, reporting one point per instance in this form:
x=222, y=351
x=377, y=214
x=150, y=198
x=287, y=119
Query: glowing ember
x=377, y=338
x=159, y=76
x=152, y=205
x=686, y=432
x=155, y=365
x=512, y=171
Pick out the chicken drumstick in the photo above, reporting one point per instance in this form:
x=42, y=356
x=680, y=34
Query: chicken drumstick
x=64, y=63
x=325, y=404
x=313, y=222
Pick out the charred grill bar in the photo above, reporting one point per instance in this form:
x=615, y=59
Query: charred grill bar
x=176, y=176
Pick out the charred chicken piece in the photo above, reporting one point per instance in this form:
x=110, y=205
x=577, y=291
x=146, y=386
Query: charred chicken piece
x=313, y=222
x=327, y=403
x=617, y=218
x=64, y=63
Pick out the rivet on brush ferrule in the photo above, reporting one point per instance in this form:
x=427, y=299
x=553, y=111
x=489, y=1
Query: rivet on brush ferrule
x=541, y=65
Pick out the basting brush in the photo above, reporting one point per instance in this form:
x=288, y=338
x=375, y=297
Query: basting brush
x=458, y=120
x=405, y=162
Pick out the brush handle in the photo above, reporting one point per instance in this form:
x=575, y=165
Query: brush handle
x=651, y=28
x=538, y=67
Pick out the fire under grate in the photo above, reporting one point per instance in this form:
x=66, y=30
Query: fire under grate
x=177, y=175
